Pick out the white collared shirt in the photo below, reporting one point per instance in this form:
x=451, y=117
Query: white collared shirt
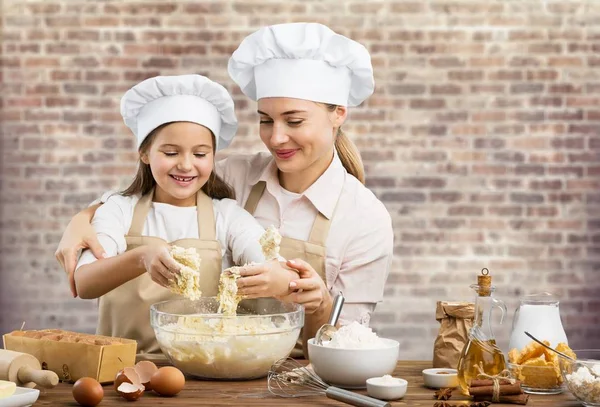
x=237, y=231
x=360, y=242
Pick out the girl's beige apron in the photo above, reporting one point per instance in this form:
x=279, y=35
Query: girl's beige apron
x=312, y=251
x=125, y=311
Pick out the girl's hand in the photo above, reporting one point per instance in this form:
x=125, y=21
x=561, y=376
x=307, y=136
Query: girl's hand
x=159, y=263
x=270, y=279
x=309, y=290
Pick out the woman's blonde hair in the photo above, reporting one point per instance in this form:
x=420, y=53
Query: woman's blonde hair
x=143, y=181
x=348, y=152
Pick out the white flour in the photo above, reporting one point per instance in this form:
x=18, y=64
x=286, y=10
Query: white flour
x=388, y=380
x=355, y=336
x=584, y=384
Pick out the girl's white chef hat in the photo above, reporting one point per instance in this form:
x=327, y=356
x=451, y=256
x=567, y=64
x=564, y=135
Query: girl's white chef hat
x=303, y=61
x=183, y=98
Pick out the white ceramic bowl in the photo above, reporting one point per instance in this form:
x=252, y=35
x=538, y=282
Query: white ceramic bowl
x=386, y=390
x=350, y=368
x=435, y=380
x=23, y=397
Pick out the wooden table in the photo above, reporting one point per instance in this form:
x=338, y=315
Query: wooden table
x=254, y=393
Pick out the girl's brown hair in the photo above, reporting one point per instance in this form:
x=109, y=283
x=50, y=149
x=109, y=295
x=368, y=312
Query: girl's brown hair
x=143, y=182
x=348, y=152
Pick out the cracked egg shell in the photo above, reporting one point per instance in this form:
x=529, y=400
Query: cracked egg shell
x=145, y=369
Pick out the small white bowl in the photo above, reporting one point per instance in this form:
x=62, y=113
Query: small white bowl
x=350, y=368
x=384, y=390
x=435, y=380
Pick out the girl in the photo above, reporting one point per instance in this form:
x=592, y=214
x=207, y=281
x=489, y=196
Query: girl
x=175, y=198
x=339, y=235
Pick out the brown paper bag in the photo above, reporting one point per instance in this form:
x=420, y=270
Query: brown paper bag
x=99, y=357
x=456, y=319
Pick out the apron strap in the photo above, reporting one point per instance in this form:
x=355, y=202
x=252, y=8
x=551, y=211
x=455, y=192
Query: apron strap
x=206, y=217
x=320, y=229
x=255, y=194
x=140, y=212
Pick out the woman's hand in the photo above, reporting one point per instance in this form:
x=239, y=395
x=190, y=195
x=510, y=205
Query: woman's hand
x=159, y=263
x=270, y=279
x=309, y=290
x=78, y=235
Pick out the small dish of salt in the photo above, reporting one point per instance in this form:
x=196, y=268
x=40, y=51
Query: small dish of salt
x=386, y=387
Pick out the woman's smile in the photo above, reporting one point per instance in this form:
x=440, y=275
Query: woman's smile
x=286, y=154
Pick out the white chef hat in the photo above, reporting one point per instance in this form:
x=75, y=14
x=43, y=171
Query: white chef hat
x=184, y=98
x=303, y=61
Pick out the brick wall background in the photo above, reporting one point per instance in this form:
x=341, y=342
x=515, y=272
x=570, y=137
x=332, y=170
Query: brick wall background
x=482, y=139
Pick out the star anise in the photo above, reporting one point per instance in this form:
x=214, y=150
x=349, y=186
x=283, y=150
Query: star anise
x=443, y=404
x=443, y=394
x=480, y=404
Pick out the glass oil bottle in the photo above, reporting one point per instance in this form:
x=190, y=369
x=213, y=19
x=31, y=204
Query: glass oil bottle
x=481, y=349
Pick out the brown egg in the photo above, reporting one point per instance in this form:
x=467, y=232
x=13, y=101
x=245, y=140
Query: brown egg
x=167, y=381
x=88, y=392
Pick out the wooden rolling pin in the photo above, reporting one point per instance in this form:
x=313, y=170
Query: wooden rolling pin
x=25, y=370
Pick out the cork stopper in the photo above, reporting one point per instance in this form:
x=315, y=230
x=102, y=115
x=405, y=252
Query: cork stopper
x=484, y=281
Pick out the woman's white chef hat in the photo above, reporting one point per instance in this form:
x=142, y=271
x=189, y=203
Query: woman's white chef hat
x=184, y=98
x=303, y=61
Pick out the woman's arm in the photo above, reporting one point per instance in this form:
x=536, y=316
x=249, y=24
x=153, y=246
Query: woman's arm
x=311, y=292
x=78, y=235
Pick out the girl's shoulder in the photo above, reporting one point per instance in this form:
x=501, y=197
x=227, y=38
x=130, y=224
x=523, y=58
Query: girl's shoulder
x=226, y=206
x=119, y=204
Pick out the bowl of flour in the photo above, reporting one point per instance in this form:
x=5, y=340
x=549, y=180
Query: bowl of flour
x=582, y=376
x=354, y=354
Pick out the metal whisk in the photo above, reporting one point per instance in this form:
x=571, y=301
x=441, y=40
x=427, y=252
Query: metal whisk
x=288, y=378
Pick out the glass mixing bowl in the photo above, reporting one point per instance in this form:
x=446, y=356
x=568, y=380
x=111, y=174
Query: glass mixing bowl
x=583, y=376
x=204, y=344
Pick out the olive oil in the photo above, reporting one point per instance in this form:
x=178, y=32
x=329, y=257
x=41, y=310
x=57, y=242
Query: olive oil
x=477, y=353
x=481, y=354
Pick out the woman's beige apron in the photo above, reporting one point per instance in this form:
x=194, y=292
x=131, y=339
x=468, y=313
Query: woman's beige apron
x=312, y=251
x=125, y=311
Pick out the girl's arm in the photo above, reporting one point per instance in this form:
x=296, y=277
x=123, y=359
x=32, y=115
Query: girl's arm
x=96, y=279
x=99, y=277
x=265, y=279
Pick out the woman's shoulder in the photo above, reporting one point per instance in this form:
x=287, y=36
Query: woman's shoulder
x=236, y=165
x=358, y=200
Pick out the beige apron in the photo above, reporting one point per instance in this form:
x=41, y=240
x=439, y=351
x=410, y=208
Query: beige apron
x=312, y=251
x=125, y=311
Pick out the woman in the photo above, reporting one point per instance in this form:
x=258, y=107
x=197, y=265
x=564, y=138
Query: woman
x=337, y=233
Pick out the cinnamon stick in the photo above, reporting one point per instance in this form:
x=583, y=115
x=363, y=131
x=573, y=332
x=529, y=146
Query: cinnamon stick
x=512, y=399
x=505, y=390
x=488, y=382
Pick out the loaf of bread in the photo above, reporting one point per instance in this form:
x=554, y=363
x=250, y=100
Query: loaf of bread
x=59, y=335
x=72, y=355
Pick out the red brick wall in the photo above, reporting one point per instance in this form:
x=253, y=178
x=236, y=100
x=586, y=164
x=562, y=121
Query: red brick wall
x=481, y=140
